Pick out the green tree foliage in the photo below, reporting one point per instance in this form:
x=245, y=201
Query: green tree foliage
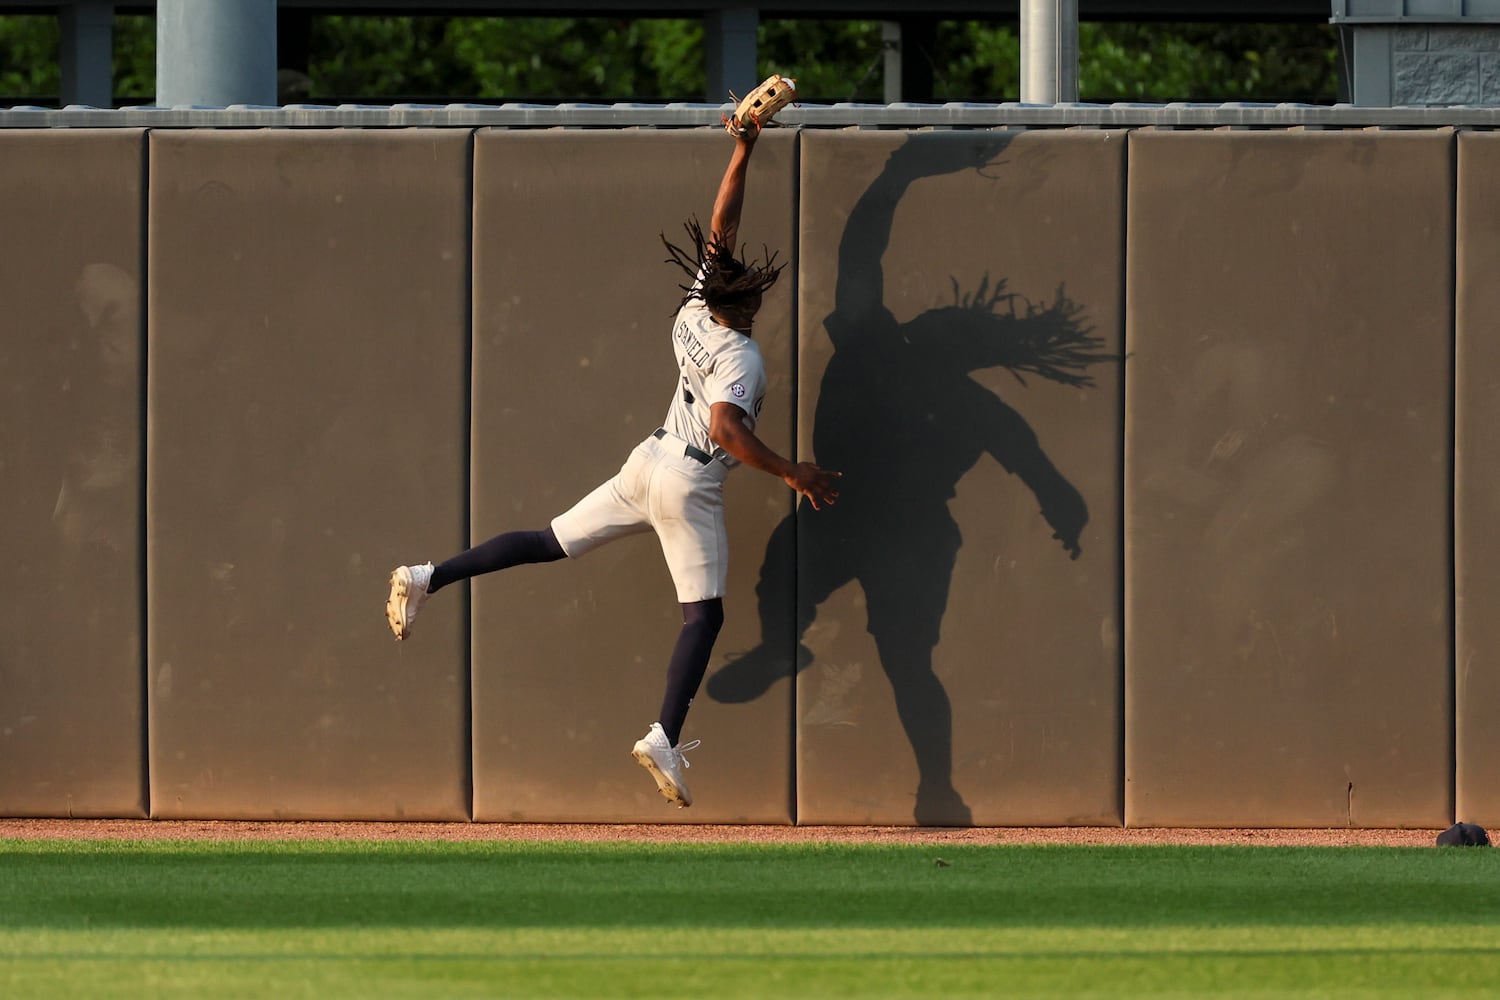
x=28, y=56
x=383, y=59
x=519, y=58
x=831, y=61
x=977, y=61
x=135, y=58
x=29, y=65
x=1208, y=62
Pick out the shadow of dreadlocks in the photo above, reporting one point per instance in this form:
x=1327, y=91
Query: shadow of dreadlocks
x=899, y=415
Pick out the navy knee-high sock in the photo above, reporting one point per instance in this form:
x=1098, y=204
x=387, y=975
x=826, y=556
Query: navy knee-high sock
x=501, y=552
x=701, y=622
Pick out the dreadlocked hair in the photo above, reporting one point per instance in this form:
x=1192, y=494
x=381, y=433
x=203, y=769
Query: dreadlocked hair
x=728, y=281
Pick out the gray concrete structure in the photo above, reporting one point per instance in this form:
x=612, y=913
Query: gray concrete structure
x=1421, y=52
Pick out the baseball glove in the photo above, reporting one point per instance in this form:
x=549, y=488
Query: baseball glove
x=759, y=106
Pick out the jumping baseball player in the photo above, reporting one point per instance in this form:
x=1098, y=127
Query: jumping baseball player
x=673, y=481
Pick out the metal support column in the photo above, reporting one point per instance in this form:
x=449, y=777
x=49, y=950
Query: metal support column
x=1049, y=51
x=890, y=43
x=730, y=51
x=86, y=56
x=215, y=52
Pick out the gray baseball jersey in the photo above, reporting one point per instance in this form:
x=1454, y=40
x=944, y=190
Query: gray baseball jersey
x=665, y=487
x=716, y=365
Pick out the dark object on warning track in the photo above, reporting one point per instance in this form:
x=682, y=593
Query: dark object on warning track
x=1464, y=835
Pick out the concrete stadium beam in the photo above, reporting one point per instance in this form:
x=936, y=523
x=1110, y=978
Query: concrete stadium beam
x=86, y=53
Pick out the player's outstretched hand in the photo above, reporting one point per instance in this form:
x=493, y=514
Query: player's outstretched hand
x=817, y=484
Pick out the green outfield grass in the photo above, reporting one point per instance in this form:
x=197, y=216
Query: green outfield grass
x=319, y=919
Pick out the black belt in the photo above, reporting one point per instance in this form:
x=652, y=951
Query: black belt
x=701, y=457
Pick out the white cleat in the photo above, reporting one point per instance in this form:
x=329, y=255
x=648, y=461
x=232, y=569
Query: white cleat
x=408, y=591
x=666, y=764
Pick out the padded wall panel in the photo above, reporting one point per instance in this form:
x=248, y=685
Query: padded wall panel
x=307, y=399
x=1288, y=654
x=1478, y=480
x=961, y=667
x=72, y=736
x=573, y=367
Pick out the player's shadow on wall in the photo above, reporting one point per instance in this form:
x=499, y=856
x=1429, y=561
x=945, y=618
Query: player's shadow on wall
x=899, y=415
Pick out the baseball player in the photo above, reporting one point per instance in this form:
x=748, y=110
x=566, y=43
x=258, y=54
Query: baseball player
x=673, y=481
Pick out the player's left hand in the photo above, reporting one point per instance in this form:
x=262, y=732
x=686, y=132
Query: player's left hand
x=758, y=107
x=815, y=483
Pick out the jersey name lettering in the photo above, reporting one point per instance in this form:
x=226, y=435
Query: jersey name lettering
x=696, y=352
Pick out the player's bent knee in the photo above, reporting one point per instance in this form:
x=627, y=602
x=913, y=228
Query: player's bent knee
x=707, y=616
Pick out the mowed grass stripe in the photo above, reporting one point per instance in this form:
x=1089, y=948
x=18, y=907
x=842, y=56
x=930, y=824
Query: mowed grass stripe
x=310, y=884
x=728, y=943
x=332, y=918
x=1358, y=974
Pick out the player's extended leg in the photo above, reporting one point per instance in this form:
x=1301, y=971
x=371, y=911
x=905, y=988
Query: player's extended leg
x=412, y=585
x=612, y=510
x=701, y=622
x=513, y=548
x=687, y=510
x=660, y=751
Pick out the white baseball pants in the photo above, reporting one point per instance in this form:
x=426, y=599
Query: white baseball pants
x=660, y=487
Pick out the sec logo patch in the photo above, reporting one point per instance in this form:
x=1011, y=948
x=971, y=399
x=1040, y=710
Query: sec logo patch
x=738, y=390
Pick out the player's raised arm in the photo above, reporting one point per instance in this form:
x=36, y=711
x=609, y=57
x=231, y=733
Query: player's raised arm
x=754, y=111
x=724, y=227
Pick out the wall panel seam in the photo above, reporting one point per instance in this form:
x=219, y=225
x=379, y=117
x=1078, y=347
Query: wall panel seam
x=1120, y=525
x=143, y=443
x=796, y=422
x=466, y=515
x=1453, y=498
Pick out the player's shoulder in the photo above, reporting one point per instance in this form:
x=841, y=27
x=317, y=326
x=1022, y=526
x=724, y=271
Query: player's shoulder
x=744, y=343
x=742, y=350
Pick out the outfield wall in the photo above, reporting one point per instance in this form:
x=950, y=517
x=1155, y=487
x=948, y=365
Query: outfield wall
x=1238, y=579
